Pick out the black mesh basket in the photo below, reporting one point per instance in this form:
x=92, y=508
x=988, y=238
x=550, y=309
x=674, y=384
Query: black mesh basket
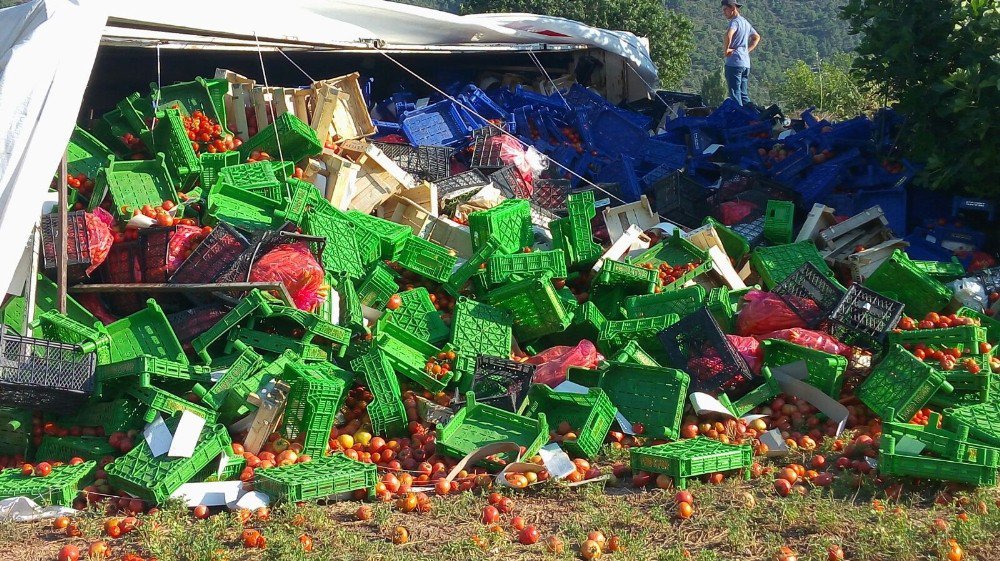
x=154, y=249
x=77, y=245
x=123, y=265
x=213, y=257
x=864, y=317
x=191, y=323
x=46, y=375
x=550, y=194
x=499, y=382
x=697, y=345
x=510, y=183
x=461, y=181
x=486, y=155
x=810, y=294
x=681, y=199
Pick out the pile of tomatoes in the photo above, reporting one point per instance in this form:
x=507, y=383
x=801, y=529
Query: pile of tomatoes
x=667, y=274
x=934, y=320
x=207, y=135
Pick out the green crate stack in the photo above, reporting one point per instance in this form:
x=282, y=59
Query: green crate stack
x=15, y=431
x=779, y=218
x=391, y=236
x=387, y=412
x=689, y=458
x=85, y=154
x=145, y=369
x=775, y=263
x=197, y=95
x=651, y=395
x=574, y=234
x=117, y=415
x=92, y=337
x=247, y=364
x=991, y=325
x=59, y=488
x=517, y=266
x=900, y=384
x=473, y=266
x=287, y=137
x=589, y=415
x=981, y=472
x=765, y=392
x=826, y=371
x=617, y=334
x=378, y=287
x=155, y=479
x=682, y=302
x=417, y=315
x=340, y=253
x=735, y=245
x=477, y=425
x=633, y=353
x=312, y=406
x=277, y=344
x=899, y=279
x=509, y=223
x=427, y=259
x=982, y=420
x=212, y=164
x=478, y=329
x=255, y=302
x=586, y=324
x=319, y=479
x=537, y=308
x=65, y=448
x=408, y=355
x=170, y=138
x=966, y=338
x=944, y=271
x=146, y=332
x=162, y=401
x=133, y=184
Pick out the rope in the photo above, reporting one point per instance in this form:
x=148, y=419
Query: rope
x=552, y=82
x=270, y=110
x=306, y=74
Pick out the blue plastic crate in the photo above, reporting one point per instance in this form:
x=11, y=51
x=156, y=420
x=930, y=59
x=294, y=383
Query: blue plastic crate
x=477, y=100
x=579, y=96
x=820, y=182
x=660, y=153
x=385, y=128
x=955, y=235
x=622, y=172
x=892, y=202
x=843, y=203
x=614, y=134
x=923, y=249
x=742, y=134
x=960, y=204
x=523, y=96
x=438, y=124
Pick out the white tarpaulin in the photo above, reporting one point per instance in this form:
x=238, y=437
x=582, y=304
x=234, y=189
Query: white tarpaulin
x=48, y=49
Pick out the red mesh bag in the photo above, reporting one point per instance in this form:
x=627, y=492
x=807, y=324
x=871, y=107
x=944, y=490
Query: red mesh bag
x=750, y=349
x=100, y=240
x=734, y=212
x=763, y=312
x=294, y=266
x=554, y=362
x=182, y=243
x=812, y=339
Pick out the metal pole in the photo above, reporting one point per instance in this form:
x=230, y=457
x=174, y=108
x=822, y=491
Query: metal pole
x=63, y=257
x=32, y=285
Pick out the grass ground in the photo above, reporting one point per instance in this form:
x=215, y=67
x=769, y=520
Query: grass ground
x=735, y=520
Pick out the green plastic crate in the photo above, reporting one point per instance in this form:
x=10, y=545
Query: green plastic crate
x=202, y=94
x=473, y=266
x=312, y=406
x=277, y=344
x=118, y=415
x=390, y=235
x=952, y=445
x=340, y=253
x=91, y=338
x=319, y=479
x=982, y=420
x=899, y=279
x=378, y=287
x=408, y=355
x=418, y=316
x=689, y=458
x=246, y=366
x=170, y=138
x=255, y=180
x=145, y=369
x=537, y=308
x=132, y=184
x=944, y=271
x=59, y=488
x=145, y=333
x=651, y=395
x=212, y=164
x=256, y=301
x=616, y=334
x=776, y=263
x=900, y=385
x=633, y=353
x=85, y=154
x=630, y=277
x=735, y=245
x=682, y=302
x=992, y=326
x=826, y=371
x=14, y=316
x=295, y=138
x=155, y=479
x=779, y=219
x=65, y=448
x=387, y=412
x=234, y=402
x=721, y=307
x=287, y=320
x=587, y=322
x=673, y=250
x=574, y=234
x=509, y=223
x=15, y=431
x=479, y=329
x=164, y=402
x=516, y=266
x=242, y=214
x=427, y=259
x=981, y=472
x=763, y=393
x=477, y=425
x=965, y=337
x=590, y=415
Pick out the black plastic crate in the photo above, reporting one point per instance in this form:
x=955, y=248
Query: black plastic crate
x=486, y=155
x=396, y=151
x=213, y=257
x=154, y=247
x=191, y=323
x=77, y=245
x=264, y=241
x=810, y=294
x=697, y=345
x=681, y=199
x=46, y=375
x=490, y=130
x=499, y=382
x=434, y=162
x=510, y=183
x=550, y=194
x=123, y=265
x=864, y=317
x=461, y=181
x=752, y=232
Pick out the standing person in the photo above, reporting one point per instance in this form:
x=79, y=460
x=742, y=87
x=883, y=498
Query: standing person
x=741, y=40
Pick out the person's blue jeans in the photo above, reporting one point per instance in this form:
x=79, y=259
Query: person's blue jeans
x=737, y=78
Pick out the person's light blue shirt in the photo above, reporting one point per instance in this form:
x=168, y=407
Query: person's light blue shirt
x=742, y=30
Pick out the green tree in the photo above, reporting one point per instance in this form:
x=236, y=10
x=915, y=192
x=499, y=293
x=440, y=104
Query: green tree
x=939, y=59
x=833, y=88
x=669, y=33
x=713, y=88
